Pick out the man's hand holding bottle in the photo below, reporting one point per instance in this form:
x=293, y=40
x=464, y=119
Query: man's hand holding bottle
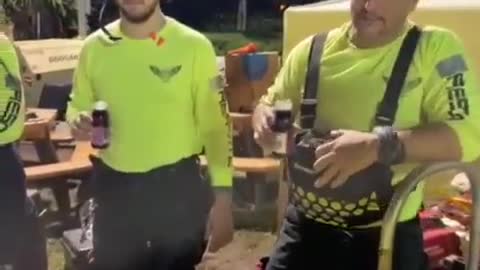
x=82, y=126
x=273, y=129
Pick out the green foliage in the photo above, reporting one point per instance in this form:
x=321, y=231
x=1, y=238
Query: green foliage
x=58, y=17
x=224, y=42
x=61, y=7
x=4, y=19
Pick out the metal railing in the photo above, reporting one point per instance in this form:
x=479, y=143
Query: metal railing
x=398, y=201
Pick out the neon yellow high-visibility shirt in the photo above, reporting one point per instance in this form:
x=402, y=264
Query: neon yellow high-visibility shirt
x=12, y=103
x=440, y=87
x=165, y=99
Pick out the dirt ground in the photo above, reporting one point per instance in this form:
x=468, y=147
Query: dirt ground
x=242, y=254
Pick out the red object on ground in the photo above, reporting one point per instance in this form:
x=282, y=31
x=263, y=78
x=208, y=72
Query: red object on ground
x=431, y=219
x=440, y=243
x=262, y=263
x=249, y=48
x=457, y=214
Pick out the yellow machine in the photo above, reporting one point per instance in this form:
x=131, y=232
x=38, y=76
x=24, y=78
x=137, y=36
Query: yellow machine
x=461, y=16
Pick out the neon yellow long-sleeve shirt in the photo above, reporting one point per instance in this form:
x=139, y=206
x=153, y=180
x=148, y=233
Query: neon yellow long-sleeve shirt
x=440, y=87
x=165, y=99
x=12, y=103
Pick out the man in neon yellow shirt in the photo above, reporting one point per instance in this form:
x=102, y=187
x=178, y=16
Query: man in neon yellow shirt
x=166, y=104
x=22, y=246
x=436, y=120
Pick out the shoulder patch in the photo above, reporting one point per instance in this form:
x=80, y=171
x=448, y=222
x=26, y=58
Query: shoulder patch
x=451, y=66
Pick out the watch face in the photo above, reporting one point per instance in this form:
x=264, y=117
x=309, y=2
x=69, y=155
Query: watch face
x=388, y=150
x=383, y=129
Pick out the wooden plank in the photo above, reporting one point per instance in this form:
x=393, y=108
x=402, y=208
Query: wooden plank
x=37, y=130
x=47, y=115
x=252, y=165
x=62, y=169
x=241, y=122
x=83, y=150
x=61, y=133
x=57, y=170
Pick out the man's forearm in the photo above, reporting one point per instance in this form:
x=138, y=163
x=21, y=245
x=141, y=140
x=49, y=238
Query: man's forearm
x=436, y=142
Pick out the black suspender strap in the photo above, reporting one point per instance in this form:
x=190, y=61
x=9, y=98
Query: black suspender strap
x=309, y=103
x=387, y=109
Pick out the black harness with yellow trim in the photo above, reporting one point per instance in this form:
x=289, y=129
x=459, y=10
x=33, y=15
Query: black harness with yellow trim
x=364, y=198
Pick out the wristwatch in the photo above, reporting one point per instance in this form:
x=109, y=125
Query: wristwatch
x=391, y=150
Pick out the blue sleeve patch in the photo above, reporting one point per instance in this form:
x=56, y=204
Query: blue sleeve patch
x=451, y=66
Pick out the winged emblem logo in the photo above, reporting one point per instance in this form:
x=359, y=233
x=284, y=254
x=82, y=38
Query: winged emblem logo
x=165, y=74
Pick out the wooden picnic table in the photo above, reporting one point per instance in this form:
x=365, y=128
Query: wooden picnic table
x=37, y=129
x=56, y=173
x=42, y=115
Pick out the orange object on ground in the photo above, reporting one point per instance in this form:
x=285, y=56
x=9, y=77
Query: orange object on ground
x=249, y=48
x=465, y=204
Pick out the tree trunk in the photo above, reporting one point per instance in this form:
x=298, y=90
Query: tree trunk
x=242, y=15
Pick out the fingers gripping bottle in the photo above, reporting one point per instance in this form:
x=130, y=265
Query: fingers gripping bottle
x=281, y=125
x=100, y=126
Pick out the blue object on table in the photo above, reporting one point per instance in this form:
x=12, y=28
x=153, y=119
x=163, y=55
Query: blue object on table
x=255, y=66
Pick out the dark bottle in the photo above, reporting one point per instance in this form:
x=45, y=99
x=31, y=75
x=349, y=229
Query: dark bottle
x=100, y=126
x=281, y=125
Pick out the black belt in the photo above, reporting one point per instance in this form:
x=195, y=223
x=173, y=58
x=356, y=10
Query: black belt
x=182, y=164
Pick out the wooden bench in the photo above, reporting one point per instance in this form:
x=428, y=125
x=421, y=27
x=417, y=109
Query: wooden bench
x=61, y=134
x=55, y=175
x=251, y=165
x=59, y=171
x=78, y=163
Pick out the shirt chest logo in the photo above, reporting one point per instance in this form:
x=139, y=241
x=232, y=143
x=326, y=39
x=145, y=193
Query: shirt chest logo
x=165, y=74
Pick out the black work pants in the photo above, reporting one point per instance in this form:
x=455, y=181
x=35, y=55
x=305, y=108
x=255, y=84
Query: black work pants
x=153, y=220
x=22, y=240
x=307, y=245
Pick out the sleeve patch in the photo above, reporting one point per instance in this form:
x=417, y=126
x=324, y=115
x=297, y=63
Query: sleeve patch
x=451, y=66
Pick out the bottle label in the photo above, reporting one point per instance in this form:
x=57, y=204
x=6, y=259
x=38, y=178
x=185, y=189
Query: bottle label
x=280, y=143
x=100, y=137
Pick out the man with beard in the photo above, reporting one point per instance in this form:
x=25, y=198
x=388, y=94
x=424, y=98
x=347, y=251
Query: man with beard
x=22, y=243
x=165, y=102
x=373, y=116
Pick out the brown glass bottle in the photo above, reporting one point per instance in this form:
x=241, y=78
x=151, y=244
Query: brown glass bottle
x=100, y=126
x=282, y=124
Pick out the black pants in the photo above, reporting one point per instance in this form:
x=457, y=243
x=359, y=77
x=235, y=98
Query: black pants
x=154, y=220
x=307, y=245
x=22, y=242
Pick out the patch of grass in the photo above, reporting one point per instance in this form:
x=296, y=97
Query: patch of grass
x=55, y=255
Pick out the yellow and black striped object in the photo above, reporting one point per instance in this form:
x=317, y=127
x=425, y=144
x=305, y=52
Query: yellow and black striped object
x=362, y=200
